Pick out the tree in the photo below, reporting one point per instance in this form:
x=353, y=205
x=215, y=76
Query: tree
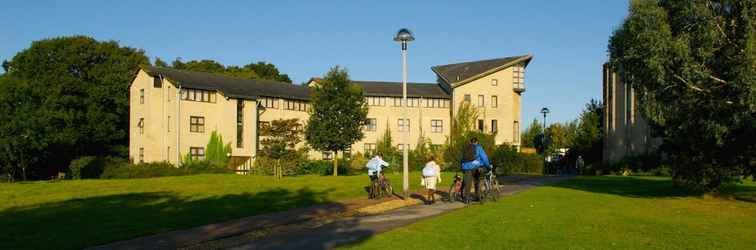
x=66, y=97
x=385, y=147
x=216, y=152
x=268, y=71
x=462, y=132
x=531, y=136
x=692, y=65
x=589, y=137
x=337, y=116
x=258, y=70
x=279, y=141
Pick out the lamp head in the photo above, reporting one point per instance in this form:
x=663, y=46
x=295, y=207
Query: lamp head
x=545, y=110
x=404, y=35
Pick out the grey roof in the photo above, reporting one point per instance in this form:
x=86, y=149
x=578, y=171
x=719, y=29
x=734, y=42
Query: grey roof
x=231, y=86
x=460, y=72
x=394, y=89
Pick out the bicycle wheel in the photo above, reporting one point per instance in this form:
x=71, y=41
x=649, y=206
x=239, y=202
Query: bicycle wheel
x=388, y=189
x=452, y=193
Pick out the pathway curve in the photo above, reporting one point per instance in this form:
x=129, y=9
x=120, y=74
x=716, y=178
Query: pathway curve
x=329, y=233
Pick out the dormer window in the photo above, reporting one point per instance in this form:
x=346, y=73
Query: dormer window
x=157, y=82
x=518, y=79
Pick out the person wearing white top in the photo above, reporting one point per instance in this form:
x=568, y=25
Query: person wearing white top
x=431, y=177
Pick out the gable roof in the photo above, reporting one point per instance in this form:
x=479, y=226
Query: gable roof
x=231, y=86
x=460, y=73
x=394, y=89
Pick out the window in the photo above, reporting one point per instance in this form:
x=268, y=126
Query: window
x=437, y=126
x=372, y=124
x=494, y=82
x=397, y=101
x=169, y=123
x=516, y=131
x=141, y=155
x=140, y=125
x=481, y=101
x=239, y=123
x=481, y=125
x=327, y=155
x=295, y=105
x=376, y=101
x=268, y=102
x=467, y=98
x=156, y=82
x=197, y=153
x=404, y=125
x=413, y=102
x=198, y=95
x=141, y=96
x=494, y=126
x=494, y=101
x=369, y=148
x=518, y=77
x=197, y=124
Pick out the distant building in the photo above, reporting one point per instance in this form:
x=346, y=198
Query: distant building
x=173, y=112
x=626, y=132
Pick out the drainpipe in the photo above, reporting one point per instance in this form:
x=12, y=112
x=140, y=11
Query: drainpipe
x=178, y=124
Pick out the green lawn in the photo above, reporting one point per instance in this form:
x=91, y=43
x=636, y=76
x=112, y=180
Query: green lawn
x=589, y=213
x=76, y=214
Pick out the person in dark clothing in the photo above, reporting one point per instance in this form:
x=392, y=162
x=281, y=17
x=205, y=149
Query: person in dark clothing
x=473, y=159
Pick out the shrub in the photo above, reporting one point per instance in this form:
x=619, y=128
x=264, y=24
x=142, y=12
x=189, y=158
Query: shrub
x=324, y=167
x=91, y=167
x=76, y=166
x=160, y=169
x=508, y=161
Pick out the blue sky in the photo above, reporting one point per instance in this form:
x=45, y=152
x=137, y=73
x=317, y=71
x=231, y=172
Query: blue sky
x=305, y=38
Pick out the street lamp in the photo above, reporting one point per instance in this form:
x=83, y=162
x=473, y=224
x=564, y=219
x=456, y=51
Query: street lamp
x=544, y=111
x=404, y=36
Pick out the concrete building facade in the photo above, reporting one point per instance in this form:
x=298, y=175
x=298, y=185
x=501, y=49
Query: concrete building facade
x=626, y=132
x=174, y=112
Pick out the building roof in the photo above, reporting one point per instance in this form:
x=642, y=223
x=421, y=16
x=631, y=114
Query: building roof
x=394, y=89
x=231, y=86
x=460, y=73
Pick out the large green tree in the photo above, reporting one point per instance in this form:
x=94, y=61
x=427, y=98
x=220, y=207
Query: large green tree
x=63, y=98
x=693, y=66
x=254, y=70
x=588, y=142
x=337, y=116
x=278, y=141
x=532, y=135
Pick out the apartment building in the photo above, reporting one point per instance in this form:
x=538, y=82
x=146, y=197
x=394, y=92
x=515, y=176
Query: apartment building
x=174, y=112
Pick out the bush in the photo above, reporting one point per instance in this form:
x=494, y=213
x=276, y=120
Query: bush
x=160, y=169
x=76, y=166
x=507, y=161
x=325, y=167
x=91, y=167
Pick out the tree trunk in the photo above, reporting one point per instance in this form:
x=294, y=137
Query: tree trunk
x=23, y=172
x=335, y=163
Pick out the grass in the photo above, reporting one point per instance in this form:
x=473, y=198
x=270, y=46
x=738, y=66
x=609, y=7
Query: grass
x=77, y=214
x=589, y=213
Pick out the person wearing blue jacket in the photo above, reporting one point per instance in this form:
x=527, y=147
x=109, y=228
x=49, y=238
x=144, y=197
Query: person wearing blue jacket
x=473, y=158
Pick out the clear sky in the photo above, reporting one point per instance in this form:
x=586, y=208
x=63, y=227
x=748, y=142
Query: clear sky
x=305, y=38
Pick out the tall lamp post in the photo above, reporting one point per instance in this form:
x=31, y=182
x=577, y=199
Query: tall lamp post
x=544, y=111
x=404, y=36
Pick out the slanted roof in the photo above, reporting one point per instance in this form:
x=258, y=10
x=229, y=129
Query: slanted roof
x=394, y=89
x=461, y=73
x=231, y=86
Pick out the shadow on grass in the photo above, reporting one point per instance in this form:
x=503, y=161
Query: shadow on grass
x=78, y=223
x=643, y=187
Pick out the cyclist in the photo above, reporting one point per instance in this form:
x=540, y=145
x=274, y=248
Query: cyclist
x=473, y=158
x=375, y=166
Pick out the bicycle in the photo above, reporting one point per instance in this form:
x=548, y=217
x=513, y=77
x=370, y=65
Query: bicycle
x=455, y=190
x=380, y=187
x=490, y=187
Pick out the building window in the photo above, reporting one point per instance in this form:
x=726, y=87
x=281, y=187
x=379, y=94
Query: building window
x=516, y=132
x=239, y=123
x=372, y=124
x=140, y=125
x=376, y=101
x=197, y=124
x=413, y=102
x=494, y=101
x=295, y=105
x=369, y=148
x=437, y=126
x=268, y=102
x=481, y=125
x=197, y=153
x=467, y=98
x=198, y=95
x=141, y=155
x=494, y=82
x=518, y=77
x=327, y=155
x=169, y=123
x=494, y=126
x=404, y=125
x=141, y=96
x=397, y=101
x=481, y=101
x=156, y=82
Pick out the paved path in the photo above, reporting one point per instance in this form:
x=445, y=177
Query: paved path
x=352, y=229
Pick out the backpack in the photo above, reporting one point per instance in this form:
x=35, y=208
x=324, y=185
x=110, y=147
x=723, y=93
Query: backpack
x=469, y=154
